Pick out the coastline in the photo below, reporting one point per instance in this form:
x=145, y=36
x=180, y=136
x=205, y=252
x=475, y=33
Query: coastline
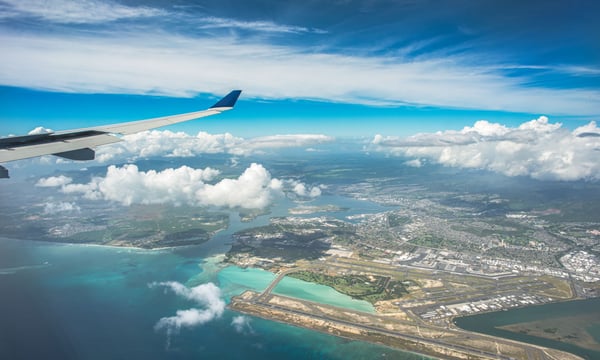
x=416, y=338
x=345, y=331
x=323, y=330
x=399, y=330
x=495, y=324
x=108, y=246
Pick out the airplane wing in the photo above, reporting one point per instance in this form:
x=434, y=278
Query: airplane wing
x=79, y=144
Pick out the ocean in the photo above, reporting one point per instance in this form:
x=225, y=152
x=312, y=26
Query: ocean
x=91, y=302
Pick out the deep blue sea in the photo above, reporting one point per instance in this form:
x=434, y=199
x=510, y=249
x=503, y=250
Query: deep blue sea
x=60, y=301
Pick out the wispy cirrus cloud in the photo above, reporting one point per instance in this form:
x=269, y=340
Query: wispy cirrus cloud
x=168, y=53
x=537, y=148
x=75, y=12
x=565, y=69
x=178, y=65
x=99, y=11
x=212, y=22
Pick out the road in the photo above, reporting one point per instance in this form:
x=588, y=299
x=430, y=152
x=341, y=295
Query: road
x=265, y=294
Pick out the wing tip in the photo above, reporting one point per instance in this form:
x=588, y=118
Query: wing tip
x=228, y=101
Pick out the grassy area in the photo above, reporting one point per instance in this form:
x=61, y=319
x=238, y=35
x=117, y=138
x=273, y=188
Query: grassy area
x=370, y=288
x=85, y=237
x=432, y=241
x=398, y=220
x=561, y=288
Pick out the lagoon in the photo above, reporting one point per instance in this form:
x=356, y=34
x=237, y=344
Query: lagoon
x=301, y=289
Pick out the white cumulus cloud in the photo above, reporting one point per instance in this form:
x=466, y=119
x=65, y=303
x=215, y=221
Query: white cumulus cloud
x=54, y=181
x=255, y=188
x=537, y=148
x=207, y=296
x=56, y=207
x=170, y=144
x=40, y=130
x=284, y=141
x=414, y=163
x=180, y=144
x=300, y=189
x=241, y=324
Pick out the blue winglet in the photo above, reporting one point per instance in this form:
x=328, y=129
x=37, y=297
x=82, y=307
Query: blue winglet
x=228, y=101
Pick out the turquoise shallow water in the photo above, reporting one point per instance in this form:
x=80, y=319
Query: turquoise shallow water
x=234, y=280
x=319, y=293
x=84, y=302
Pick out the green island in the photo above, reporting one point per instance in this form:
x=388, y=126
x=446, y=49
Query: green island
x=571, y=329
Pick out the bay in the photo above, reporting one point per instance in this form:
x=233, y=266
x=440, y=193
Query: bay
x=585, y=312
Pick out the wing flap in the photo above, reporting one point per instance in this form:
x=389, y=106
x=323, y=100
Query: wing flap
x=79, y=154
x=56, y=147
x=12, y=141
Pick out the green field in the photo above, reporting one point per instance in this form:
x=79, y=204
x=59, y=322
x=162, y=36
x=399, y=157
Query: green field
x=370, y=288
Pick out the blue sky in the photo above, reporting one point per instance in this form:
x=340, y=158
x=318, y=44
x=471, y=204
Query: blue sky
x=340, y=68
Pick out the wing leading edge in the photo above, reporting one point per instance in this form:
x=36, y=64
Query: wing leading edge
x=79, y=144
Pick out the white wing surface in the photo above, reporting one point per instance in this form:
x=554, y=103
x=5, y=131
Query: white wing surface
x=79, y=144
